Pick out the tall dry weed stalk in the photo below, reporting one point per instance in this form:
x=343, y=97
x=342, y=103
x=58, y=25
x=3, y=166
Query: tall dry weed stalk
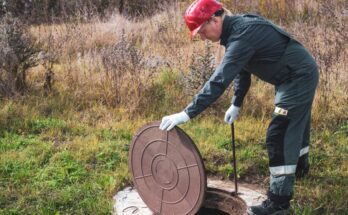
x=201, y=68
x=124, y=68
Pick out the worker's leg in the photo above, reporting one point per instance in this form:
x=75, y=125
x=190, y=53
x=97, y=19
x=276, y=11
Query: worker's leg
x=302, y=168
x=284, y=142
x=287, y=135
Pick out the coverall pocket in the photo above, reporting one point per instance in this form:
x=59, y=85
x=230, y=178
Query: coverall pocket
x=275, y=140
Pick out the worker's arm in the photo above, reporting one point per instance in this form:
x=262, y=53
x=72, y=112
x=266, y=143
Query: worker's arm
x=241, y=86
x=237, y=55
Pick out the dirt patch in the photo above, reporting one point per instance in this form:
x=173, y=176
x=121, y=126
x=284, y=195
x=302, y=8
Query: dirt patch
x=252, y=176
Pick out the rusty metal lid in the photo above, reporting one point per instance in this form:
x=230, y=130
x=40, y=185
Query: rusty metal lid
x=167, y=170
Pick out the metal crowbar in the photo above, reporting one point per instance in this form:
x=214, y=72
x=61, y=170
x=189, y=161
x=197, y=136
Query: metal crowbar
x=234, y=161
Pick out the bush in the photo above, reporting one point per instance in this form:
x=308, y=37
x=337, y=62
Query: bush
x=136, y=8
x=200, y=69
x=123, y=64
x=39, y=11
x=17, y=55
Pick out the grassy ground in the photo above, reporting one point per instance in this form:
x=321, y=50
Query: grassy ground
x=66, y=151
x=72, y=162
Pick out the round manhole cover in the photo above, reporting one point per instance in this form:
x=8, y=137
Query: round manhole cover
x=168, y=171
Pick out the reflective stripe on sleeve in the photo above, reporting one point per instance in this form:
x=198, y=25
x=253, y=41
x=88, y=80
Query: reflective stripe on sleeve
x=283, y=170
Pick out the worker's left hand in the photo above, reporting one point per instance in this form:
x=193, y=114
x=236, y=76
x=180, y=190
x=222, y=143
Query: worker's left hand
x=168, y=122
x=231, y=114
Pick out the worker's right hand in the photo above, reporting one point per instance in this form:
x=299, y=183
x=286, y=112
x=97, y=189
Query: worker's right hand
x=168, y=122
x=231, y=114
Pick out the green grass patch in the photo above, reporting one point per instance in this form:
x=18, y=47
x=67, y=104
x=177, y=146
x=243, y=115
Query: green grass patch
x=11, y=141
x=59, y=164
x=40, y=125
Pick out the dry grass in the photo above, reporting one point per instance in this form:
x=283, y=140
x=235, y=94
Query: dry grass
x=84, y=125
x=163, y=41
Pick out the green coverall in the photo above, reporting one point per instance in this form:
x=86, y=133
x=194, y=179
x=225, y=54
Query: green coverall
x=257, y=46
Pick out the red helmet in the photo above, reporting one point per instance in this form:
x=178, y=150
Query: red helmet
x=199, y=12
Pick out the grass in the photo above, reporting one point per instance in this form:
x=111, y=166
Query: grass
x=76, y=176
x=63, y=164
x=66, y=151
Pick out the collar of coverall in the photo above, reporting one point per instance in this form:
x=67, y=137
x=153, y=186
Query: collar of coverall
x=227, y=28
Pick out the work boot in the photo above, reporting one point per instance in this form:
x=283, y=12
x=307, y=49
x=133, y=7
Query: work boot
x=302, y=168
x=269, y=207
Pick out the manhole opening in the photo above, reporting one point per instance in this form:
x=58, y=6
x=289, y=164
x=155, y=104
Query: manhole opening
x=221, y=202
x=210, y=211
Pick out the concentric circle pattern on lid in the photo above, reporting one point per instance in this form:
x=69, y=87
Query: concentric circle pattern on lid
x=167, y=170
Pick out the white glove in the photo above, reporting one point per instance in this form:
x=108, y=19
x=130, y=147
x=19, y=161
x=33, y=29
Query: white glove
x=231, y=114
x=168, y=122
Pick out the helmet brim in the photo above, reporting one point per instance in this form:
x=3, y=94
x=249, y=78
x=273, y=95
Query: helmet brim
x=195, y=31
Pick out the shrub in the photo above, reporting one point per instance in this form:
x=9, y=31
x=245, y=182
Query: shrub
x=17, y=55
x=200, y=69
x=40, y=11
x=135, y=8
x=123, y=64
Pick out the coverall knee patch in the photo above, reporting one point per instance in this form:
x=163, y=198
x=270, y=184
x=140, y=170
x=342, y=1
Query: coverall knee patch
x=275, y=140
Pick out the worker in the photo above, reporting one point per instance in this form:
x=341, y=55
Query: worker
x=256, y=46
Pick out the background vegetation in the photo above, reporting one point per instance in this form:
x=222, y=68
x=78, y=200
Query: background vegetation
x=78, y=78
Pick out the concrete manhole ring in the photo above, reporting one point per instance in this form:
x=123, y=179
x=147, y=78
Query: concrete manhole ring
x=129, y=202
